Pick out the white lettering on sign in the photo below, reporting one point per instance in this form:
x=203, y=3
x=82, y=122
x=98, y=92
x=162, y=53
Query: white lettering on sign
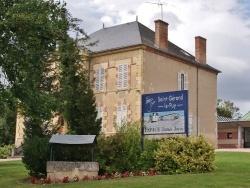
x=149, y=103
x=173, y=98
x=162, y=99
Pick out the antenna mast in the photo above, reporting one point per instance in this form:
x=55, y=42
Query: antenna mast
x=159, y=4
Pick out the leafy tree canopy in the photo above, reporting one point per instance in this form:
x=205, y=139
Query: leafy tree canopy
x=32, y=35
x=7, y=118
x=29, y=31
x=226, y=108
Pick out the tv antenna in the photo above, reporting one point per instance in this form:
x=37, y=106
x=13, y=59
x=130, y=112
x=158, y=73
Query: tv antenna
x=159, y=4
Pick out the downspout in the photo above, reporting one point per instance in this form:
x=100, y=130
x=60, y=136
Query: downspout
x=140, y=92
x=197, y=102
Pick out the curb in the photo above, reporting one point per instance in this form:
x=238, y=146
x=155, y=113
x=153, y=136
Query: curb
x=10, y=159
x=233, y=150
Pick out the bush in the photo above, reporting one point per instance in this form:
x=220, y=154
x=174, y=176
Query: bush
x=120, y=152
x=183, y=155
x=36, y=153
x=72, y=153
x=6, y=151
x=147, y=157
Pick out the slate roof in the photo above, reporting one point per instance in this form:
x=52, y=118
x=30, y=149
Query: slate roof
x=133, y=34
x=72, y=139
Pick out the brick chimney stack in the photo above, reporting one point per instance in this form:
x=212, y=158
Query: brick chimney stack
x=200, y=49
x=161, y=34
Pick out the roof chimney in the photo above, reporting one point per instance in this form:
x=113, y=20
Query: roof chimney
x=161, y=34
x=200, y=49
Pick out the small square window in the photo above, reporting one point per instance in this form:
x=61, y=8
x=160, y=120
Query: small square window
x=229, y=135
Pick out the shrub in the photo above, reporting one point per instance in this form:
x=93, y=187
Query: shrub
x=72, y=153
x=36, y=153
x=120, y=152
x=183, y=155
x=147, y=157
x=6, y=151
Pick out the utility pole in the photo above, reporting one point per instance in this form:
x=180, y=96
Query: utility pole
x=159, y=4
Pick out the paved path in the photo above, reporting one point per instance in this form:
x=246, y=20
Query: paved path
x=10, y=159
x=234, y=150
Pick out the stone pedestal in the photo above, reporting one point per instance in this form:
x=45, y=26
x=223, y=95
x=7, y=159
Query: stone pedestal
x=60, y=169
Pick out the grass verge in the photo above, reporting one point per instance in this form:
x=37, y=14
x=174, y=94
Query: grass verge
x=232, y=171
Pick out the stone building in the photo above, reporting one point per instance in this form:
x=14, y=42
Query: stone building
x=130, y=60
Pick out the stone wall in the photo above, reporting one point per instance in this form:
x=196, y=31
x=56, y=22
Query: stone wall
x=60, y=169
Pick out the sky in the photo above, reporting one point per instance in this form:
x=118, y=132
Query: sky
x=224, y=23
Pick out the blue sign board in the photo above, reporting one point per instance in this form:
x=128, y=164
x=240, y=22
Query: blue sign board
x=165, y=113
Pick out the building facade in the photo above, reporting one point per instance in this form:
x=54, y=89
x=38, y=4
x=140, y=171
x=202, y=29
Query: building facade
x=130, y=60
x=234, y=133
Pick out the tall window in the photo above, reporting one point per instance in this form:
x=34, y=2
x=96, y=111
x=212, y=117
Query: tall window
x=182, y=81
x=121, y=115
x=122, y=76
x=99, y=79
x=100, y=115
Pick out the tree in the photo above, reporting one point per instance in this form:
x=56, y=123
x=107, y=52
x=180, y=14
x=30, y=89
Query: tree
x=30, y=31
x=79, y=108
x=33, y=33
x=226, y=108
x=7, y=118
x=43, y=77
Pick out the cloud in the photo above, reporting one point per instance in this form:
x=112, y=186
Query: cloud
x=224, y=23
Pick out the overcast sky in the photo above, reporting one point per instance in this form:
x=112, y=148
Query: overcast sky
x=224, y=23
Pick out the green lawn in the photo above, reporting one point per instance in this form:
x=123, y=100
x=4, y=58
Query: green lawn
x=233, y=170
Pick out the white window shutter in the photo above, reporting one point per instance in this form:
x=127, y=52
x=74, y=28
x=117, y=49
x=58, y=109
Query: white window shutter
x=100, y=115
x=121, y=115
x=125, y=75
x=99, y=112
x=102, y=77
x=185, y=82
x=179, y=80
x=122, y=76
x=97, y=79
x=120, y=73
x=124, y=114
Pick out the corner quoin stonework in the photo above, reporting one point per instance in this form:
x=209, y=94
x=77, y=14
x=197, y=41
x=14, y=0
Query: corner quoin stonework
x=60, y=169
